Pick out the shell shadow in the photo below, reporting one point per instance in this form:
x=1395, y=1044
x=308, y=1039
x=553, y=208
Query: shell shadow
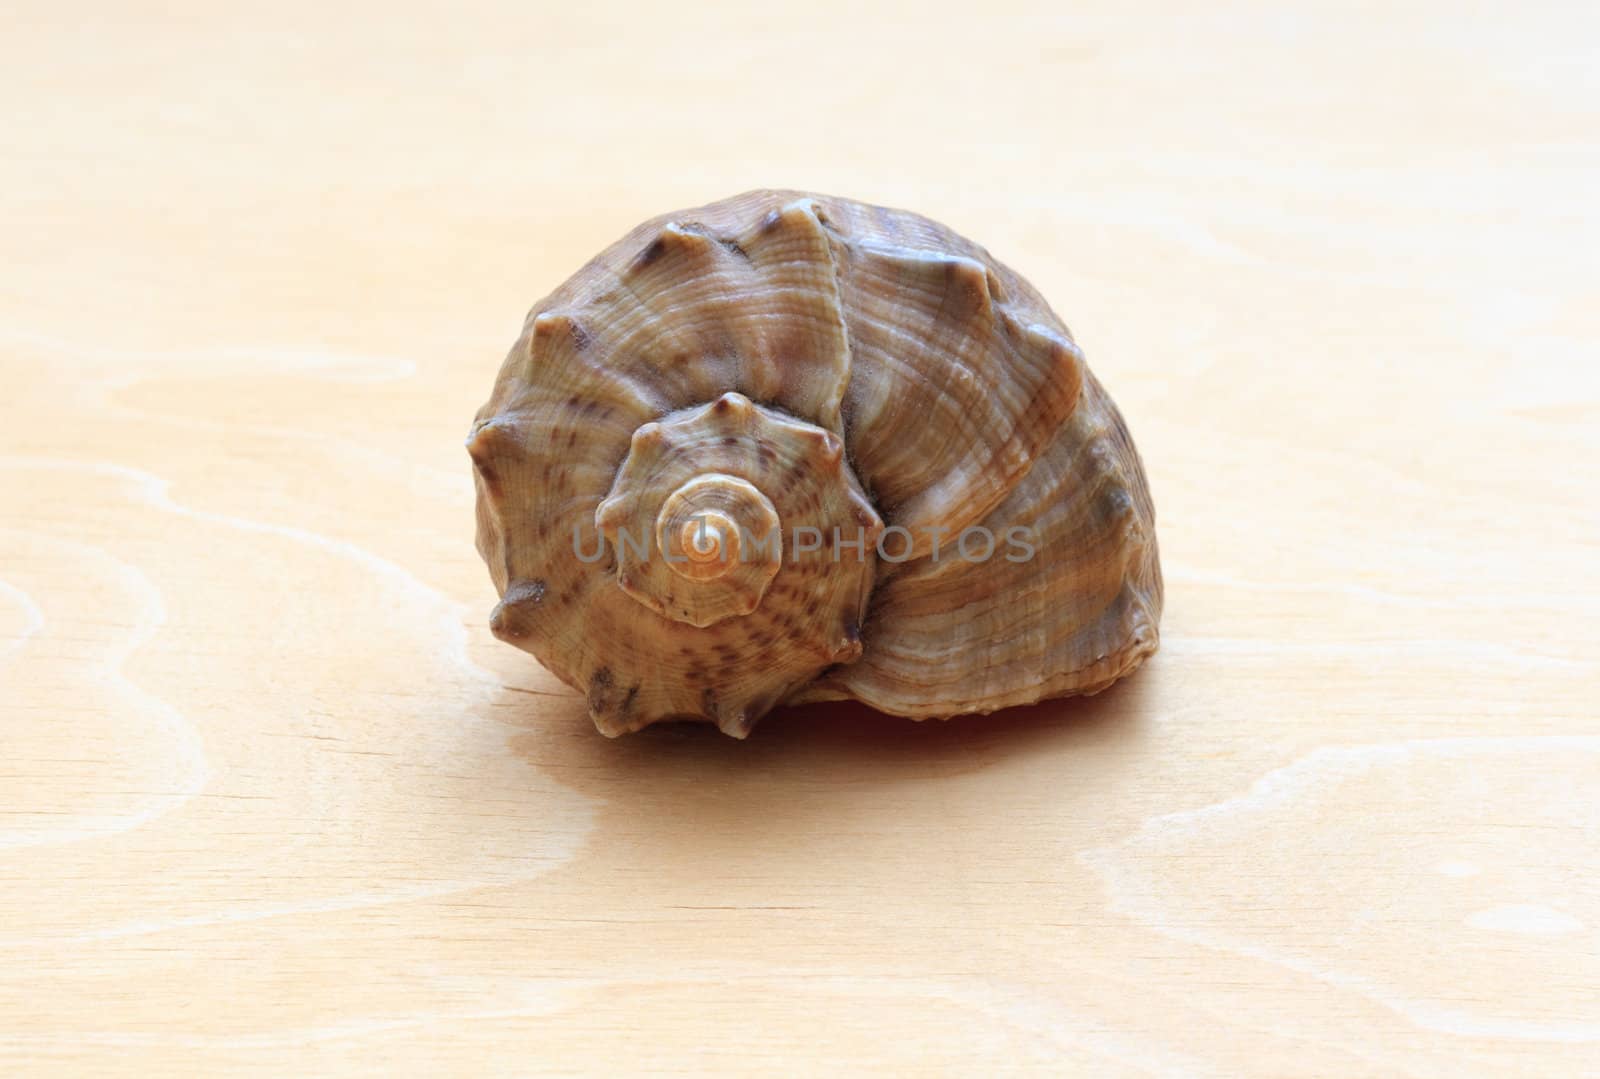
x=846, y=729
x=826, y=766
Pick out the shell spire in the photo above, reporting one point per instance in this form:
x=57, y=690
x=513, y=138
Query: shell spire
x=787, y=447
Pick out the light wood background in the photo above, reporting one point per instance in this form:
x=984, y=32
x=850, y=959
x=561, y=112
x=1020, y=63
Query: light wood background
x=273, y=801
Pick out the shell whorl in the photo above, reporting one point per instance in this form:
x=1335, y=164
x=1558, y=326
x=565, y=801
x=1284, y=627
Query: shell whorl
x=712, y=489
x=778, y=367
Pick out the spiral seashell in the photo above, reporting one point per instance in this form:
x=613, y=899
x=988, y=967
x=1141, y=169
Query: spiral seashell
x=789, y=448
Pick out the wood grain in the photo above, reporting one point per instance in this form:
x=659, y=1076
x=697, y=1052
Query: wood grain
x=273, y=801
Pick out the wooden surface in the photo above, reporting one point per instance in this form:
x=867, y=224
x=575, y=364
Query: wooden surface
x=272, y=800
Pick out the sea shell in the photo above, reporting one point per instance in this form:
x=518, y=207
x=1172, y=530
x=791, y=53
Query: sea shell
x=751, y=453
